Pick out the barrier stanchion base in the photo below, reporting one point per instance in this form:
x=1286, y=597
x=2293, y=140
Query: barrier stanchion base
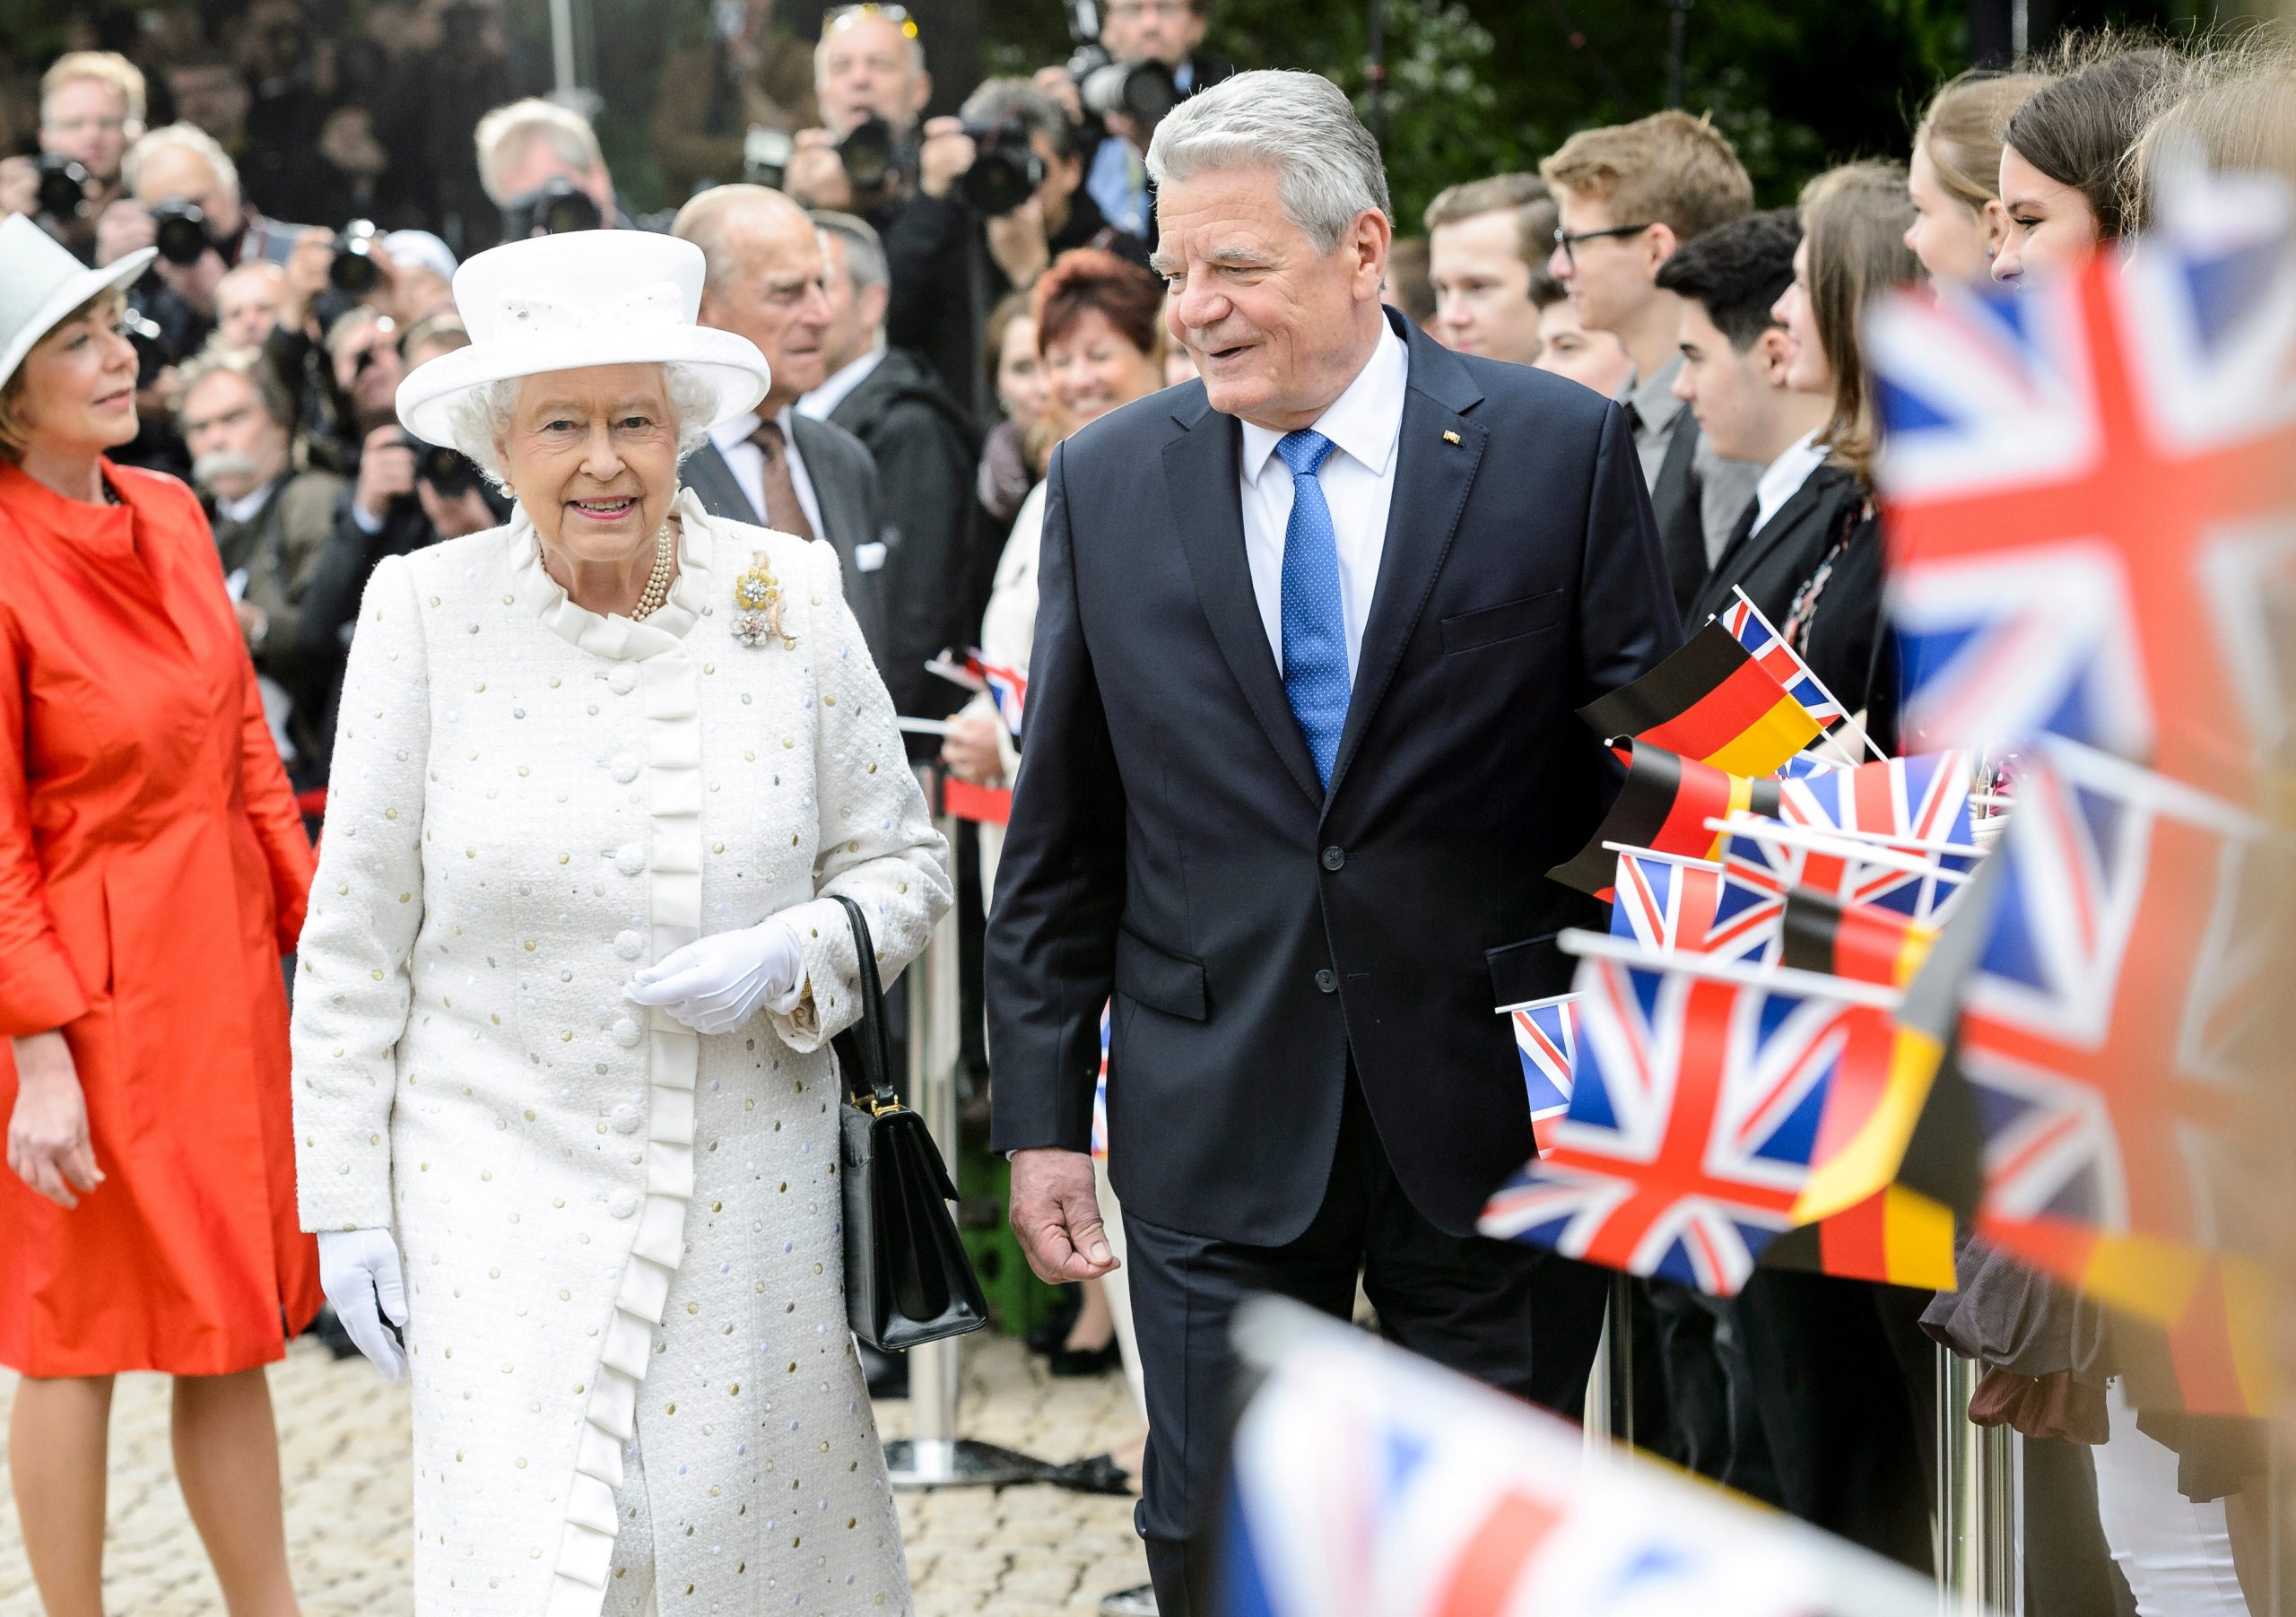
x=956, y=1463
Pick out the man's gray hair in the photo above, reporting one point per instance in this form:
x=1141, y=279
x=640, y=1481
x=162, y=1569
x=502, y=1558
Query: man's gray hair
x=1299, y=124
x=179, y=137
x=864, y=249
x=480, y=415
x=505, y=135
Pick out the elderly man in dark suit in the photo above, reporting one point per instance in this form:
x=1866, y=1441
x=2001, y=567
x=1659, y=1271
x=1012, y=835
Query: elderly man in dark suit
x=774, y=466
x=1300, y=745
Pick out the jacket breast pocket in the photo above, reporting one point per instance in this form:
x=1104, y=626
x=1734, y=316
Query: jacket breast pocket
x=1534, y=969
x=1510, y=621
x=1159, y=978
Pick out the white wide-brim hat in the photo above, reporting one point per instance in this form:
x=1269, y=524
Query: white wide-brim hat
x=40, y=282
x=570, y=301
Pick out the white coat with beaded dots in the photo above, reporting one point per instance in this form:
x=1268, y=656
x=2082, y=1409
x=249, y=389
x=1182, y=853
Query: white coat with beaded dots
x=631, y=1377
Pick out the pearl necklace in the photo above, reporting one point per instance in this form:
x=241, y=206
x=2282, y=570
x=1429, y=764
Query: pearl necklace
x=657, y=581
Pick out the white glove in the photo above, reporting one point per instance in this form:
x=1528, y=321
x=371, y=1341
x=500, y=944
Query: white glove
x=358, y=1270
x=715, y=983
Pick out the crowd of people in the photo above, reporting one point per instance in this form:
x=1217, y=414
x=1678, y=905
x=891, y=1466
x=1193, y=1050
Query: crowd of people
x=907, y=349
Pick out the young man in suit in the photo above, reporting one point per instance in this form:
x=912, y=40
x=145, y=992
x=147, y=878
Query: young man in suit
x=1301, y=744
x=1733, y=379
x=1630, y=195
x=774, y=466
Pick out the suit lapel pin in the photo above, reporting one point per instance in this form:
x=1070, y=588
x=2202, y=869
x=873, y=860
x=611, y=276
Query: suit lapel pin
x=1450, y=437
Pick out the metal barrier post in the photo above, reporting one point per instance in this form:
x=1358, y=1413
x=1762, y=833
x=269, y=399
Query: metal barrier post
x=935, y=1456
x=1981, y=1503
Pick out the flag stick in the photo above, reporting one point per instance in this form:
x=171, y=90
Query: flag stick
x=1757, y=829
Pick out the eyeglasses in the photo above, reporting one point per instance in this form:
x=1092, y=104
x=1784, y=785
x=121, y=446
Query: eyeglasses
x=1569, y=241
x=845, y=16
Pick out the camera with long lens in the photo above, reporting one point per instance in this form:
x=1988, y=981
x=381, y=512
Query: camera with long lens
x=180, y=231
x=870, y=154
x=1007, y=168
x=63, y=188
x=352, y=271
x=1141, y=91
x=450, y=474
x=554, y=208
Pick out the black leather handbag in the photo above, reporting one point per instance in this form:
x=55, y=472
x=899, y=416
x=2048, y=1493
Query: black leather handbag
x=906, y=1278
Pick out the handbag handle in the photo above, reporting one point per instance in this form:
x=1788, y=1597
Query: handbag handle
x=863, y=1049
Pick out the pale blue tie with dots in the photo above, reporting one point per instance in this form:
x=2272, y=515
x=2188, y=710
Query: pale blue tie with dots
x=1314, y=623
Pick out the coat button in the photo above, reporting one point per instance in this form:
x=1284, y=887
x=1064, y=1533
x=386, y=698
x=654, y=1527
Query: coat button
x=629, y=858
x=621, y=681
x=625, y=768
x=1327, y=980
x=625, y=1119
x=1333, y=858
x=625, y=1032
x=622, y=1203
x=629, y=942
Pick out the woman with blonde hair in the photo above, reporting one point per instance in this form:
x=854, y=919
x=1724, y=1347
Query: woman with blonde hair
x=1955, y=177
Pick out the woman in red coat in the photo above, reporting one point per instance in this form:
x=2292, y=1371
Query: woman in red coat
x=152, y=871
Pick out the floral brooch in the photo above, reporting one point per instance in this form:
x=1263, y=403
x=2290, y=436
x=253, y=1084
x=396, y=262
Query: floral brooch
x=757, y=596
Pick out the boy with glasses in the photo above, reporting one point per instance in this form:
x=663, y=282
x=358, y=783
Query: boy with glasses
x=1629, y=196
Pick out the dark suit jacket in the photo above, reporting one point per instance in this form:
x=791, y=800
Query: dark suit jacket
x=845, y=487
x=1769, y=566
x=1677, y=506
x=1170, y=839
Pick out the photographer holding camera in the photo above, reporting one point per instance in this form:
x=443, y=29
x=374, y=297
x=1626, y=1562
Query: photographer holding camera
x=91, y=111
x=541, y=165
x=1139, y=64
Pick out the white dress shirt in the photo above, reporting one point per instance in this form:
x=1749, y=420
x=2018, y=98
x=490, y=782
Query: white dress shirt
x=832, y=391
x=1359, y=480
x=1783, y=478
x=746, y=461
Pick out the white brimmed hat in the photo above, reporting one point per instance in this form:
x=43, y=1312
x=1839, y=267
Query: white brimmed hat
x=570, y=301
x=40, y=282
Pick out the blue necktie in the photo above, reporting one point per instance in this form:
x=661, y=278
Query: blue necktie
x=1314, y=626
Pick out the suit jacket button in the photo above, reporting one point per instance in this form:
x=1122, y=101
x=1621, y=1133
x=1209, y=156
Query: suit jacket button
x=1327, y=980
x=1333, y=858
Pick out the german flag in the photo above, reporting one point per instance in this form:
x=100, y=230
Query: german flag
x=1664, y=806
x=1862, y=942
x=1895, y=1235
x=1712, y=703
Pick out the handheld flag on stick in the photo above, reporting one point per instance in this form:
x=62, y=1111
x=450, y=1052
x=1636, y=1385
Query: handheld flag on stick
x=1664, y=807
x=1670, y=904
x=1712, y=704
x=1368, y=1483
x=1545, y=1039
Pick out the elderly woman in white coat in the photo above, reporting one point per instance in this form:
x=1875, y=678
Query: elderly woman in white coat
x=570, y=970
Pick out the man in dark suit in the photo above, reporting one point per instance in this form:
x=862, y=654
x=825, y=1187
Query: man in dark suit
x=1733, y=377
x=773, y=466
x=1300, y=744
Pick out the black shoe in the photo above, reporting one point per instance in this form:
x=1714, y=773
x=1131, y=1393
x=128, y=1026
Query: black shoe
x=1094, y=1473
x=1075, y=1363
x=1130, y=1603
x=1048, y=1336
x=888, y=1373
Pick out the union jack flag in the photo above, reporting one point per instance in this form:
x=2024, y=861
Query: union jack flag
x=1008, y=687
x=2081, y=482
x=1672, y=905
x=1546, y=1038
x=1916, y=806
x=1100, y=1091
x=1695, y=1112
x=1780, y=661
x=2108, y=1025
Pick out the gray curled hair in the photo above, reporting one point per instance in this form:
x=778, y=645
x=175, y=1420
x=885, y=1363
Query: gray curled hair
x=481, y=414
x=1301, y=125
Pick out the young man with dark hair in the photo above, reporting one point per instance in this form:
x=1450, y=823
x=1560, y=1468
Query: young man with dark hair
x=1630, y=195
x=1733, y=377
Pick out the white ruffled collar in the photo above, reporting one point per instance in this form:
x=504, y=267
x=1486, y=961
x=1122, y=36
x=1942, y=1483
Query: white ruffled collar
x=613, y=637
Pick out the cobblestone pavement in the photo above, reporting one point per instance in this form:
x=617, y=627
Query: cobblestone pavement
x=1027, y=1551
